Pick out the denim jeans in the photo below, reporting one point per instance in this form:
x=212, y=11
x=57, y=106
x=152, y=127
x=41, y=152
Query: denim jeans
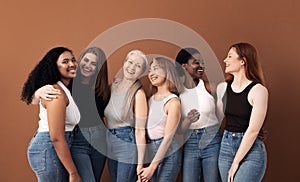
x=201, y=153
x=88, y=152
x=253, y=165
x=122, y=153
x=43, y=159
x=170, y=165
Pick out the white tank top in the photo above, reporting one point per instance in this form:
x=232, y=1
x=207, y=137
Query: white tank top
x=157, y=117
x=198, y=98
x=72, y=113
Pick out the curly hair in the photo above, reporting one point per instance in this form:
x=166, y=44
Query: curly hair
x=45, y=72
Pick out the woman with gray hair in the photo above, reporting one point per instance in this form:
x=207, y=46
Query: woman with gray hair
x=126, y=115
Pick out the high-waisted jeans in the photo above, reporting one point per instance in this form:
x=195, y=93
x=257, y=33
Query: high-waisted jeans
x=122, y=153
x=253, y=165
x=88, y=152
x=201, y=153
x=43, y=159
x=170, y=165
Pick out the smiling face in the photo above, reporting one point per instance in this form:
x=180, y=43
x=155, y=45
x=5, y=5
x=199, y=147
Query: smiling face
x=157, y=75
x=195, y=66
x=233, y=62
x=88, y=65
x=66, y=65
x=134, y=67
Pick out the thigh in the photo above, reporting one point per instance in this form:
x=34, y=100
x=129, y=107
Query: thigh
x=191, y=168
x=126, y=172
x=169, y=167
x=253, y=166
x=44, y=160
x=225, y=160
x=80, y=151
x=210, y=156
x=98, y=162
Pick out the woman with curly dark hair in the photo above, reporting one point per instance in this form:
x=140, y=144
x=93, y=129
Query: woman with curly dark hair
x=91, y=93
x=49, y=150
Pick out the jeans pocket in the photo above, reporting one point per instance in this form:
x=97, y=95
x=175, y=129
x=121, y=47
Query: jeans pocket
x=37, y=160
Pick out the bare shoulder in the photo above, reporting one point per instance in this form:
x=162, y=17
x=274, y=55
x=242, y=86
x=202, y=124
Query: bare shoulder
x=140, y=93
x=258, y=89
x=258, y=94
x=221, y=88
x=60, y=99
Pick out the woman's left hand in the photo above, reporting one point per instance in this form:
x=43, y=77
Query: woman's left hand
x=146, y=174
x=234, y=167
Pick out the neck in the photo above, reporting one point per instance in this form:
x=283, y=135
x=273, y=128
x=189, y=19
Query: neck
x=240, y=80
x=196, y=81
x=85, y=80
x=66, y=82
x=125, y=84
x=163, y=91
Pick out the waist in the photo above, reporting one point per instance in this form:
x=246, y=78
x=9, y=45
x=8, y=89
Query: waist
x=230, y=134
x=208, y=129
x=126, y=129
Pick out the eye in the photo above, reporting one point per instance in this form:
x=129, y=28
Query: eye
x=94, y=64
x=86, y=60
x=139, y=66
x=73, y=60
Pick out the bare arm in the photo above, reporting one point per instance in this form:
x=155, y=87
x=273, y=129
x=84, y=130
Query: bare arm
x=47, y=92
x=173, y=116
x=258, y=98
x=185, y=123
x=140, y=110
x=56, y=113
x=221, y=89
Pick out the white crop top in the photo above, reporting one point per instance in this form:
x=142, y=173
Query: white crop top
x=157, y=117
x=198, y=98
x=72, y=113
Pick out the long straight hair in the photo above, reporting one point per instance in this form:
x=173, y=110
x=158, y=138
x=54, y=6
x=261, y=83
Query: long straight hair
x=100, y=79
x=173, y=82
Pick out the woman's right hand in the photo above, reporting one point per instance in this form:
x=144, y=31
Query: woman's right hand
x=74, y=177
x=193, y=115
x=47, y=92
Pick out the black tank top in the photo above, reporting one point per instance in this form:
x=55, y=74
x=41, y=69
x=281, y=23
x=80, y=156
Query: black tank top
x=238, y=109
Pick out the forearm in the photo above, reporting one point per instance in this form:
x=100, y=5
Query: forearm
x=184, y=125
x=162, y=150
x=141, y=144
x=64, y=154
x=247, y=142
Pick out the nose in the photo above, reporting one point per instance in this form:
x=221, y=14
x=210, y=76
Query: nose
x=72, y=64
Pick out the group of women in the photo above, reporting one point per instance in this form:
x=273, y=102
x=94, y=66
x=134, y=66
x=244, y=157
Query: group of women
x=134, y=129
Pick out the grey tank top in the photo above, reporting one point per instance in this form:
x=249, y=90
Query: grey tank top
x=114, y=111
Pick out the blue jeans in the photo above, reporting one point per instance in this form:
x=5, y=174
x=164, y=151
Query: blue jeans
x=122, y=153
x=252, y=167
x=201, y=153
x=88, y=152
x=43, y=159
x=170, y=165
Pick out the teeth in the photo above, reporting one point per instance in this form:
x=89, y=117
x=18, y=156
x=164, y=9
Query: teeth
x=86, y=69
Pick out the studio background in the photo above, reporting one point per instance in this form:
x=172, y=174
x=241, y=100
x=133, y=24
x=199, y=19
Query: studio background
x=30, y=28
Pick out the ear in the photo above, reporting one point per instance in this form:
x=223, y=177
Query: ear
x=243, y=61
x=184, y=65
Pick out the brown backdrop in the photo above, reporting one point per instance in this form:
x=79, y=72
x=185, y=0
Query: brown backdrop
x=30, y=28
